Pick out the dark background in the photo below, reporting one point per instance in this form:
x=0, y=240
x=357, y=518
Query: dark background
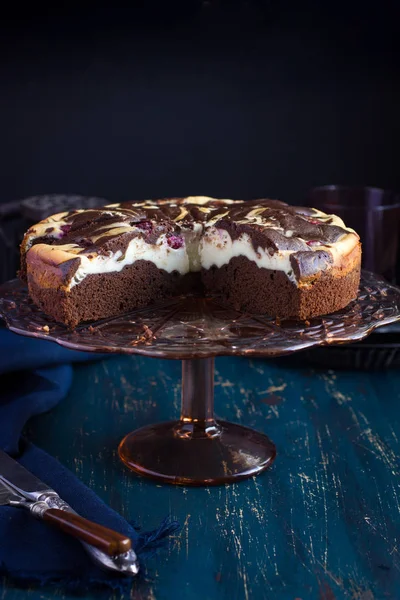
x=181, y=98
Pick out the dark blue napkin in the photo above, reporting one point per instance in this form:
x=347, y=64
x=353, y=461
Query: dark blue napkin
x=34, y=376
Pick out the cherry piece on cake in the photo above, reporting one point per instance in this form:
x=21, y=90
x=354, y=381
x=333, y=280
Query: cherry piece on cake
x=144, y=225
x=65, y=229
x=175, y=241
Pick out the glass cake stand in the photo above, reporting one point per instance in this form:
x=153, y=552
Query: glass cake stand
x=197, y=449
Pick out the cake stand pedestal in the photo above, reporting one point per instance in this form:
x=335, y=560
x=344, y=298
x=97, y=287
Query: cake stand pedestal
x=198, y=449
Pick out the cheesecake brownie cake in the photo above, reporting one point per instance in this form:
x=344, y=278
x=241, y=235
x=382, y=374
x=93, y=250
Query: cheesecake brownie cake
x=262, y=256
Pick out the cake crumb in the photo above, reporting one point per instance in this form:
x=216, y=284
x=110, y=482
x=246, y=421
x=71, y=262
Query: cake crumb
x=94, y=331
x=307, y=323
x=147, y=332
x=145, y=337
x=46, y=328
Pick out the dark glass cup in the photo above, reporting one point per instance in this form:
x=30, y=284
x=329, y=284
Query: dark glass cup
x=375, y=215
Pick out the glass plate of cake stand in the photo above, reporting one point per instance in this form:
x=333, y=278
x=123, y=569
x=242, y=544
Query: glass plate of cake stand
x=198, y=449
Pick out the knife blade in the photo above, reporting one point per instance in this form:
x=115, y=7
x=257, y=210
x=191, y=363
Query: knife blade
x=20, y=488
x=21, y=480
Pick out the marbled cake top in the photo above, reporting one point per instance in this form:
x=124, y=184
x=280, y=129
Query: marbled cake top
x=187, y=234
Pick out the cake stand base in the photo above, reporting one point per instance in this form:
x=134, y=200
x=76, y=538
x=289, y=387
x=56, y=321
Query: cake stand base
x=197, y=449
x=160, y=452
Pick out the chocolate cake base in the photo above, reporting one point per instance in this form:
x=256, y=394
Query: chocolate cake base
x=111, y=294
x=249, y=288
x=241, y=284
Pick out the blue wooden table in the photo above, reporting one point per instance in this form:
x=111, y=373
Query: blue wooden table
x=323, y=523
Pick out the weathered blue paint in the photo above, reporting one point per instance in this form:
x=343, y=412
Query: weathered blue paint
x=323, y=523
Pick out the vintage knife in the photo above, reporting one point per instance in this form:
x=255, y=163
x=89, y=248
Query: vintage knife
x=19, y=488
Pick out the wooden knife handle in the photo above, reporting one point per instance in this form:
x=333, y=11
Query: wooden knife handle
x=108, y=541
